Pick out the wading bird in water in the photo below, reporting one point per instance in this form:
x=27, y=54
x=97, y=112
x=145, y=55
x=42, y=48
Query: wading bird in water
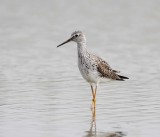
x=93, y=69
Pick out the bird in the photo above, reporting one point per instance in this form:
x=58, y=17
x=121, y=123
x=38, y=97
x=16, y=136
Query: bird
x=92, y=68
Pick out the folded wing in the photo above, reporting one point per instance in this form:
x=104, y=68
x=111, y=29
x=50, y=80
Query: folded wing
x=106, y=71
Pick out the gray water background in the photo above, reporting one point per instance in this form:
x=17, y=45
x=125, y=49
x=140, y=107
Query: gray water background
x=42, y=93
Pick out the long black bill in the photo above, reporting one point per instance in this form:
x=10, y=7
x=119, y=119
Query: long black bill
x=65, y=42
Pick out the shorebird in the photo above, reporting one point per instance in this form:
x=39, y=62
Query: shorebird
x=93, y=69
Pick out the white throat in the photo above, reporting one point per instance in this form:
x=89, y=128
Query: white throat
x=81, y=46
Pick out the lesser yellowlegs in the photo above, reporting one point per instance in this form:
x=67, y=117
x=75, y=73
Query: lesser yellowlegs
x=93, y=69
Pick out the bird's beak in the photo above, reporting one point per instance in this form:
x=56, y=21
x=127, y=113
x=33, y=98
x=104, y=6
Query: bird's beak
x=70, y=39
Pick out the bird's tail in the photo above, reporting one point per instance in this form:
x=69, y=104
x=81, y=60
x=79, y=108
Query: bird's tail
x=122, y=77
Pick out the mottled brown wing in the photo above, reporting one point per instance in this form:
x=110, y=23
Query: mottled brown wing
x=106, y=71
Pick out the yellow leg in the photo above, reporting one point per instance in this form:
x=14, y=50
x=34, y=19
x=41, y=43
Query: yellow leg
x=94, y=102
x=93, y=114
x=92, y=91
x=95, y=91
x=94, y=97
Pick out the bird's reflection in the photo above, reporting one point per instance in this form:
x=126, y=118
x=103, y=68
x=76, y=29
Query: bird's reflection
x=92, y=132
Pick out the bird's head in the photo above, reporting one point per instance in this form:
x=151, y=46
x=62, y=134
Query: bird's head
x=77, y=37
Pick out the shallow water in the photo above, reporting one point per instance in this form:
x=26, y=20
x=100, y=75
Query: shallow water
x=42, y=93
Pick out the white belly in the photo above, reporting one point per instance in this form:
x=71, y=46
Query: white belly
x=88, y=74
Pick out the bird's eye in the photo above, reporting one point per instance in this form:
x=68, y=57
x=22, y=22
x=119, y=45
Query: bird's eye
x=76, y=35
